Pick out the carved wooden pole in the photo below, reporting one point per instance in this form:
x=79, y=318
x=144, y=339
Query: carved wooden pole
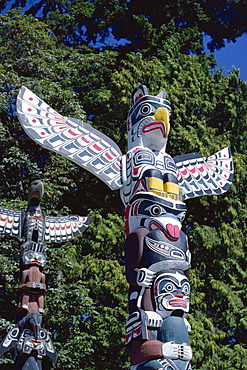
x=31, y=342
x=153, y=187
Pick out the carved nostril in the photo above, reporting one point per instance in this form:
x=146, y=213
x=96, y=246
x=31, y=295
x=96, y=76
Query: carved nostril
x=179, y=295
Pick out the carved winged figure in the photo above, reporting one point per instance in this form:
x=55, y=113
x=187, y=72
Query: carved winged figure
x=30, y=341
x=153, y=187
x=146, y=167
x=35, y=227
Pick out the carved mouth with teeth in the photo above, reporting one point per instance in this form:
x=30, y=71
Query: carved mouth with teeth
x=165, y=249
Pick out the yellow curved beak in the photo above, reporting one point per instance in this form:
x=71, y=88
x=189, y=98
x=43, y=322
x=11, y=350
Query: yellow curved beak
x=162, y=114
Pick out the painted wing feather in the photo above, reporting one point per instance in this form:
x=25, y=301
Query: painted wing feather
x=70, y=137
x=198, y=175
x=9, y=341
x=11, y=221
x=61, y=229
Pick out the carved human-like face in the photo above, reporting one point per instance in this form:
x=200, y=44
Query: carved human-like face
x=148, y=120
x=171, y=294
x=155, y=212
x=30, y=257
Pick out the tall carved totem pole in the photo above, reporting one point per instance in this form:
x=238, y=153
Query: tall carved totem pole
x=31, y=342
x=153, y=187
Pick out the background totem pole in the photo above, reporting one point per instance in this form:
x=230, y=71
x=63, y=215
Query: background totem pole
x=31, y=342
x=153, y=188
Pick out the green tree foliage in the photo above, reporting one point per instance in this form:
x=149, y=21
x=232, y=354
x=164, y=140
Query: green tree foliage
x=135, y=22
x=86, y=300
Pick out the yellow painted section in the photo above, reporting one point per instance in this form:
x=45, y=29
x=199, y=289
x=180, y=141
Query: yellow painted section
x=155, y=183
x=170, y=187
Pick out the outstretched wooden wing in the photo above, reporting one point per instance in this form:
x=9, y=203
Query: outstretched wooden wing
x=61, y=229
x=198, y=175
x=71, y=138
x=11, y=221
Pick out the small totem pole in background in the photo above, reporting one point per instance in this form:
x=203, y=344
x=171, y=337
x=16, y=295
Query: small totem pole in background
x=153, y=188
x=31, y=342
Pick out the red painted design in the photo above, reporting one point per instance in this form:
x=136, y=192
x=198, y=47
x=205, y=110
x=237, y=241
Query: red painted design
x=108, y=156
x=137, y=331
x=156, y=290
x=184, y=172
x=178, y=302
x=138, y=97
x=97, y=147
x=201, y=169
x=136, y=170
x=193, y=170
x=72, y=132
x=34, y=120
x=127, y=211
x=42, y=133
x=85, y=140
x=140, y=186
x=128, y=338
x=29, y=110
x=136, y=149
x=135, y=209
x=157, y=125
x=30, y=98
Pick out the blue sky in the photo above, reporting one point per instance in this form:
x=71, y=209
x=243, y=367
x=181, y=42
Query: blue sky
x=233, y=55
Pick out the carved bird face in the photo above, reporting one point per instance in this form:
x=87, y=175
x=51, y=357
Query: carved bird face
x=148, y=120
x=35, y=192
x=155, y=212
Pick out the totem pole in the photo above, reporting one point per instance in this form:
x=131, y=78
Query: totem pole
x=153, y=187
x=31, y=342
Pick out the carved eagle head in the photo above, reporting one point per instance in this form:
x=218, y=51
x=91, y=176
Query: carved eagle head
x=148, y=119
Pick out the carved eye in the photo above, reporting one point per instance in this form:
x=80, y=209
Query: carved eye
x=169, y=287
x=186, y=289
x=30, y=256
x=155, y=210
x=181, y=216
x=146, y=109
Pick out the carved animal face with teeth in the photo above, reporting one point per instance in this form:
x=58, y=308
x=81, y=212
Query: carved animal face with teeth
x=171, y=293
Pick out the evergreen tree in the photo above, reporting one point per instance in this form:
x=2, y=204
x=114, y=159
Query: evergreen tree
x=86, y=299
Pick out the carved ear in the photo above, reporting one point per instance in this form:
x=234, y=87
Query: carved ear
x=162, y=94
x=139, y=92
